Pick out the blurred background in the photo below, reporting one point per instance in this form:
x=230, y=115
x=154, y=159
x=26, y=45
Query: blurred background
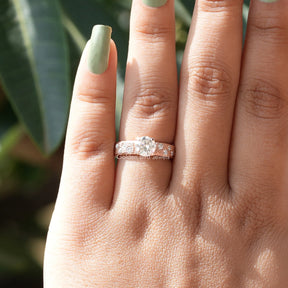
x=40, y=46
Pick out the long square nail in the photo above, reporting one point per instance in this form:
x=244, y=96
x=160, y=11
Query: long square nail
x=99, y=50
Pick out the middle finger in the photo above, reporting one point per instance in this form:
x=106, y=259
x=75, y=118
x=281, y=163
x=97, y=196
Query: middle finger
x=208, y=88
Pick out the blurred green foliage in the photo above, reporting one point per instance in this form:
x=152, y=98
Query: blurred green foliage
x=40, y=46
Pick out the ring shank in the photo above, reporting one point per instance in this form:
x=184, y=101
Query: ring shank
x=130, y=149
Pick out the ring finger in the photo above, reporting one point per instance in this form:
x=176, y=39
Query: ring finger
x=150, y=98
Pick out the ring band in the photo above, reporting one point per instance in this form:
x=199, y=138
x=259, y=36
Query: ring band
x=144, y=147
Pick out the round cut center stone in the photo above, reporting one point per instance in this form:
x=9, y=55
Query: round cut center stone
x=146, y=146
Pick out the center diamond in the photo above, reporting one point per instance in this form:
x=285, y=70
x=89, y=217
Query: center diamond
x=146, y=146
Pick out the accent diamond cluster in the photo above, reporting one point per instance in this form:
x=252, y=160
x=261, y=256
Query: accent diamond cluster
x=125, y=148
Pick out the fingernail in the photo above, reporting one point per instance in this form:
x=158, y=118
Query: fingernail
x=154, y=3
x=268, y=1
x=99, y=50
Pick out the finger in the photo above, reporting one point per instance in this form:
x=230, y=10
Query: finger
x=260, y=143
x=209, y=81
x=150, y=100
x=88, y=172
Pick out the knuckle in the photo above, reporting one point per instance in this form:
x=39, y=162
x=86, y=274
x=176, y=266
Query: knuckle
x=263, y=100
x=134, y=224
x=153, y=103
x=154, y=32
x=85, y=144
x=270, y=28
x=256, y=213
x=191, y=194
x=94, y=96
x=210, y=82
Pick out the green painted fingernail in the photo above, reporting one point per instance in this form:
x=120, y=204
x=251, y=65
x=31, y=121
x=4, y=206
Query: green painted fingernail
x=268, y=1
x=99, y=50
x=155, y=3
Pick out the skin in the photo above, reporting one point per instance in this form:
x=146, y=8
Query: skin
x=215, y=216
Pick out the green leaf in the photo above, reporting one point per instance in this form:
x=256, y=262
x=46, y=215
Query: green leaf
x=34, y=68
x=9, y=129
x=245, y=18
x=7, y=119
x=184, y=11
x=9, y=140
x=189, y=4
x=85, y=16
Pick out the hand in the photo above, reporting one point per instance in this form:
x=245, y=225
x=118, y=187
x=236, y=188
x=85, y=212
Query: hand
x=215, y=216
